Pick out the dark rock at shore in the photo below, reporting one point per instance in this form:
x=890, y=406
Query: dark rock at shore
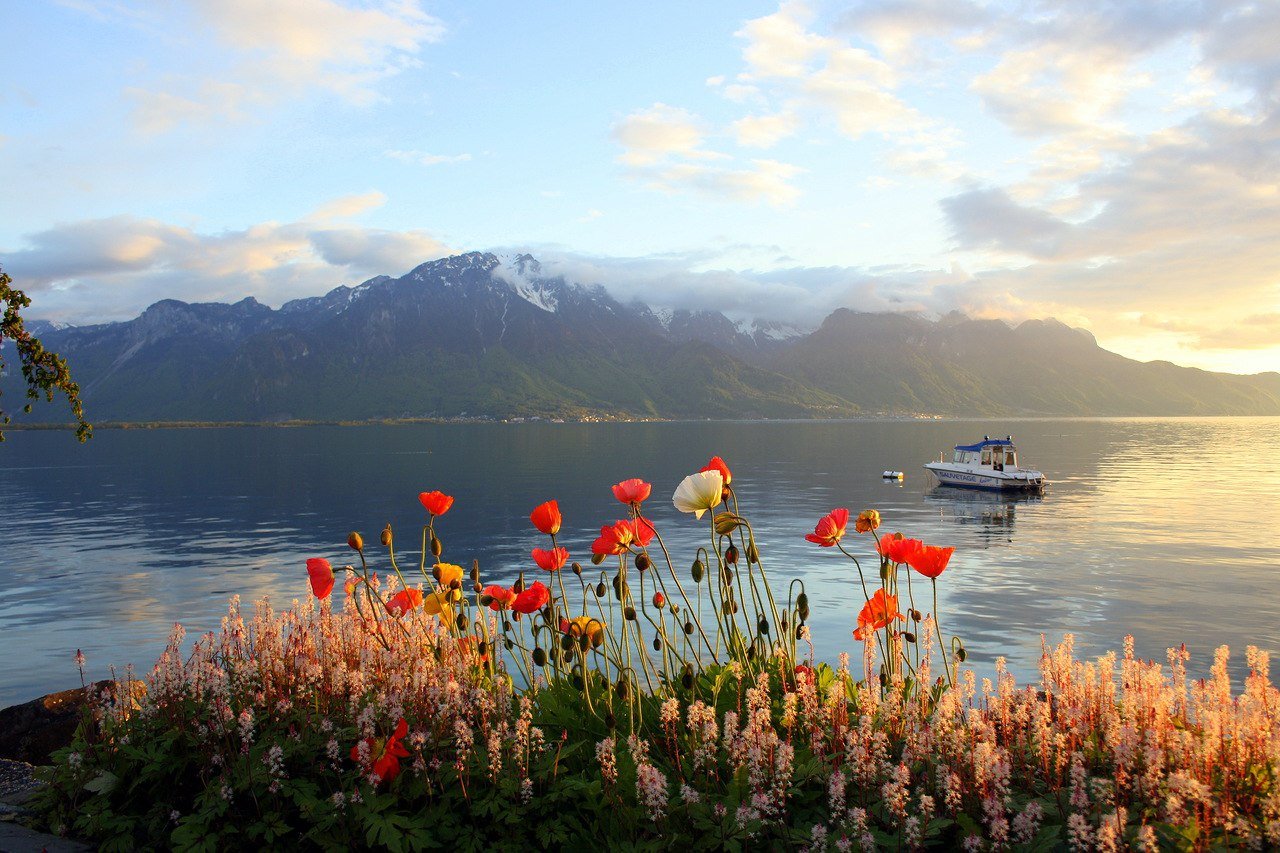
x=33, y=730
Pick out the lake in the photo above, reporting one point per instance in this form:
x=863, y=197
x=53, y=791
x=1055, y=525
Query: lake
x=1163, y=528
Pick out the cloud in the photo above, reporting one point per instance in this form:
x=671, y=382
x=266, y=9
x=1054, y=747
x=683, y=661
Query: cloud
x=279, y=50
x=110, y=269
x=422, y=158
x=663, y=148
x=349, y=205
x=765, y=131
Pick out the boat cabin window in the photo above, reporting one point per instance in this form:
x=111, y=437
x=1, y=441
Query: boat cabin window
x=959, y=457
x=1010, y=459
x=986, y=456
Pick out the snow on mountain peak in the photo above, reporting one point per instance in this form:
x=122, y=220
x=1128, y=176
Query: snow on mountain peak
x=520, y=273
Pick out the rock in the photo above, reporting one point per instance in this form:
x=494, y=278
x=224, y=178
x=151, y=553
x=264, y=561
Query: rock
x=31, y=731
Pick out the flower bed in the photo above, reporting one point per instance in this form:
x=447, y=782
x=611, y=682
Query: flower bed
x=656, y=707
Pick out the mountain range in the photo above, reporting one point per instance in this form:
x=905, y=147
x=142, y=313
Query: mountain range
x=475, y=335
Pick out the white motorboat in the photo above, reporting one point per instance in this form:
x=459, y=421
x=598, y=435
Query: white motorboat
x=990, y=464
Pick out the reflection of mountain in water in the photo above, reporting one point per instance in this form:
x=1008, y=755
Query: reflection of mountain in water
x=993, y=513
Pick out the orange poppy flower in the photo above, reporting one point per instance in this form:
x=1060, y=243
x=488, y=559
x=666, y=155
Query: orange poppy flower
x=500, y=597
x=880, y=611
x=532, y=599
x=321, y=575
x=404, y=601
x=868, y=520
x=930, y=560
x=897, y=548
x=550, y=560
x=383, y=761
x=830, y=528
x=717, y=464
x=614, y=539
x=547, y=518
x=632, y=491
x=436, y=503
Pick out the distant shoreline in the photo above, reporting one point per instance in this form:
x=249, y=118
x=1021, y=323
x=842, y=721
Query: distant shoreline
x=602, y=419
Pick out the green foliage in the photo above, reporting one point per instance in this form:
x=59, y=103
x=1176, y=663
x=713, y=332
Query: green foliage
x=43, y=371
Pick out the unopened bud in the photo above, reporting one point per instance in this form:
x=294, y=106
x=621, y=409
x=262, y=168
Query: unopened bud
x=539, y=656
x=763, y=626
x=642, y=561
x=630, y=614
x=355, y=541
x=731, y=555
x=601, y=589
x=597, y=559
x=659, y=599
x=908, y=636
x=386, y=536
x=577, y=568
x=436, y=548
x=657, y=644
x=697, y=571
x=753, y=553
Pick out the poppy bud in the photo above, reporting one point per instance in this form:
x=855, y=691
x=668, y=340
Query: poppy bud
x=763, y=626
x=802, y=605
x=355, y=541
x=436, y=548
x=597, y=559
x=688, y=627
x=610, y=721
x=486, y=600
x=518, y=586
x=475, y=570
x=659, y=599
x=726, y=523
x=577, y=568
x=566, y=642
x=884, y=680
x=601, y=589
x=657, y=644
x=386, y=536
x=630, y=614
x=697, y=571
x=508, y=645
x=908, y=636
x=731, y=555
x=477, y=586
x=783, y=623
x=915, y=615
x=642, y=561
x=961, y=654
x=798, y=632
x=506, y=626
x=617, y=586
x=726, y=573
x=483, y=648
x=622, y=688
x=884, y=571
x=578, y=683
x=753, y=553
x=686, y=679
x=567, y=657
x=539, y=656
x=726, y=607
x=751, y=652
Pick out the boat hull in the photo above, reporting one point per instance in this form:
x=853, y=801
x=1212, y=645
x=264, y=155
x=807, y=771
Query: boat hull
x=987, y=481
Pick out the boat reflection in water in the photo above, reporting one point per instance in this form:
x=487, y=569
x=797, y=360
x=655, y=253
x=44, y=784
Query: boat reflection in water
x=994, y=513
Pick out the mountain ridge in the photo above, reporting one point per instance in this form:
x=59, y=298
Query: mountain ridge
x=481, y=335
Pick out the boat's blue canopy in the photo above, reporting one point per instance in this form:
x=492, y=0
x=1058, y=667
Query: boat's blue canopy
x=986, y=442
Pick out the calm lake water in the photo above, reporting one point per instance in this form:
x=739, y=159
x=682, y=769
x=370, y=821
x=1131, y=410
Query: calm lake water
x=1168, y=529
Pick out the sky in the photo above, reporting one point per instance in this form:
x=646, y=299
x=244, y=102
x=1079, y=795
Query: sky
x=1111, y=163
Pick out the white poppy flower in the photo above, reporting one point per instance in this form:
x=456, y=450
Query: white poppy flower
x=699, y=492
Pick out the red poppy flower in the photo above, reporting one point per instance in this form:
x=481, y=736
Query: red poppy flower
x=830, y=528
x=436, y=503
x=806, y=671
x=642, y=530
x=632, y=491
x=717, y=464
x=881, y=610
x=614, y=539
x=404, y=601
x=321, y=574
x=550, y=560
x=532, y=599
x=547, y=518
x=500, y=597
x=383, y=757
x=898, y=549
x=930, y=560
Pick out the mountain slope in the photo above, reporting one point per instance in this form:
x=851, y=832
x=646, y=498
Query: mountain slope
x=477, y=335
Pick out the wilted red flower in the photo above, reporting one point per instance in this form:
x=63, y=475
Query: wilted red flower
x=830, y=528
x=550, y=560
x=717, y=464
x=547, y=518
x=876, y=614
x=436, y=503
x=500, y=597
x=930, y=560
x=404, y=601
x=898, y=549
x=632, y=491
x=321, y=575
x=383, y=757
x=614, y=539
x=532, y=599
x=868, y=520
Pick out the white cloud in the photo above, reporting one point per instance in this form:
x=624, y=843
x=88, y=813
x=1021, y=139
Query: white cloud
x=765, y=131
x=112, y=268
x=654, y=134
